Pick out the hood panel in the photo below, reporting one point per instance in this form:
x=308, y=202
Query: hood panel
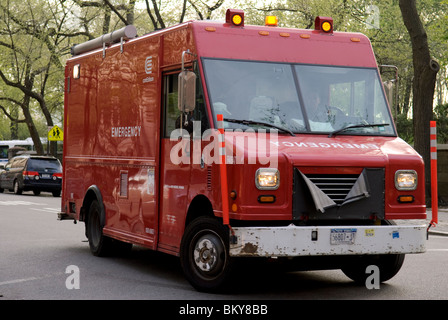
x=319, y=150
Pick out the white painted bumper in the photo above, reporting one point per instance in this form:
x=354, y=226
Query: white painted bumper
x=294, y=241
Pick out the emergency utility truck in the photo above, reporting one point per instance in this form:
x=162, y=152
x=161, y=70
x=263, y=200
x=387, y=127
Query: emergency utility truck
x=214, y=141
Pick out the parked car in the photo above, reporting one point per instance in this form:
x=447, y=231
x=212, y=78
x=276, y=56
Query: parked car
x=32, y=173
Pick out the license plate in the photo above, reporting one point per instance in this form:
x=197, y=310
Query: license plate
x=342, y=236
x=45, y=176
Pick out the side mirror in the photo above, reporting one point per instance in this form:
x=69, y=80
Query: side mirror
x=187, y=91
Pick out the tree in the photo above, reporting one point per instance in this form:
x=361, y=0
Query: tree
x=425, y=73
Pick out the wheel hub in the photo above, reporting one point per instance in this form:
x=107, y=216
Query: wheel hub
x=205, y=255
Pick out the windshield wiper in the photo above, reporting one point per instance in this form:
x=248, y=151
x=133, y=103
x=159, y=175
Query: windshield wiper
x=367, y=125
x=248, y=122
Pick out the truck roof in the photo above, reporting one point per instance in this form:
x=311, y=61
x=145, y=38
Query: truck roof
x=218, y=39
x=263, y=43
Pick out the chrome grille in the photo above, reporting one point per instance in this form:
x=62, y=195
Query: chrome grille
x=335, y=186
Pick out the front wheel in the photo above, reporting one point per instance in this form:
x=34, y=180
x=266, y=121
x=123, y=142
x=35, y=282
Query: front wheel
x=204, y=254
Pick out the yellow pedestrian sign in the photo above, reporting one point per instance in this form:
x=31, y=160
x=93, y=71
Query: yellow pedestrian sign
x=55, y=134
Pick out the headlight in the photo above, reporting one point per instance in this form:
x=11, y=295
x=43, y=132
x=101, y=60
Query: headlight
x=267, y=179
x=406, y=180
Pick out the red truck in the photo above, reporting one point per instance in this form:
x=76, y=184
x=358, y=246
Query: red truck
x=213, y=141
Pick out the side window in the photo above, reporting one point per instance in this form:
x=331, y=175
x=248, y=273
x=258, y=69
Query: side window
x=20, y=163
x=172, y=115
x=170, y=109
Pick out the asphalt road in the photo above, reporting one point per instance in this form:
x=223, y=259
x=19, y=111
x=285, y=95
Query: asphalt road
x=42, y=258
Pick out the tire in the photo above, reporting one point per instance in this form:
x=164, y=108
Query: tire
x=388, y=265
x=204, y=254
x=36, y=192
x=56, y=193
x=99, y=244
x=17, y=189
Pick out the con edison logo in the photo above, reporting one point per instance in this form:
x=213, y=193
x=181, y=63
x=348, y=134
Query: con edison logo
x=148, y=70
x=148, y=65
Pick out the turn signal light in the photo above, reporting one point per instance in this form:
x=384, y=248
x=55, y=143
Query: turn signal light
x=405, y=199
x=235, y=17
x=266, y=199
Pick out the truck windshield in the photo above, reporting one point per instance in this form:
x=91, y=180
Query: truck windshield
x=298, y=98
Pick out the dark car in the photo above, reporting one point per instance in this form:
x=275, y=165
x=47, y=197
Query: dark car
x=32, y=173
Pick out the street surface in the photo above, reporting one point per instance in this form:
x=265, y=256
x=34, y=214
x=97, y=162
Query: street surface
x=42, y=258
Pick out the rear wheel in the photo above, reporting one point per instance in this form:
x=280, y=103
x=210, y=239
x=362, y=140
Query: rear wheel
x=56, y=193
x=100, y=245
x=17, y=189
x=204, y=254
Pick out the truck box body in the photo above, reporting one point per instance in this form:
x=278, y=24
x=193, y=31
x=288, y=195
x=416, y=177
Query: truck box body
x=118, y=142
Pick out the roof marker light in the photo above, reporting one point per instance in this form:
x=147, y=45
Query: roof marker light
x=324, y=24
x=235, y=17
x=271, y=21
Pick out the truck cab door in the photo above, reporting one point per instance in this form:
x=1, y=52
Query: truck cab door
x=179, y=164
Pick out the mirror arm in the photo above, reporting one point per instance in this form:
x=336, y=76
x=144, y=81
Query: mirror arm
x=183, y=58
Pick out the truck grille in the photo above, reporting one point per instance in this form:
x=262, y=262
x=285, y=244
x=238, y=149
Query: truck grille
x=335, y=186
x=325, y=196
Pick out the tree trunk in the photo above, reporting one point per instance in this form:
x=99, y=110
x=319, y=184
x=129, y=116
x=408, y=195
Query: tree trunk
x=425, y=72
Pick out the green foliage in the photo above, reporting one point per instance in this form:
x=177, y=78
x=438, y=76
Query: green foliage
x=441, y=117
x=405, y=128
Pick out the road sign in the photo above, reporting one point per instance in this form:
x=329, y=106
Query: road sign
x=55, y=134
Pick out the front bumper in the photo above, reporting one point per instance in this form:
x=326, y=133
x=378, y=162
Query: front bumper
x=294, y=241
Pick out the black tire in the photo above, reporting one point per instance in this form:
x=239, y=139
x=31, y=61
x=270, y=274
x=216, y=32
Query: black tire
x=36, y=192
x=388, y=265
x=17, y=189
x=100, y=245
x=204, y=254
x=56, y=193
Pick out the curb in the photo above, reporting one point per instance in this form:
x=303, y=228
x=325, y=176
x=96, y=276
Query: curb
x=438, y=233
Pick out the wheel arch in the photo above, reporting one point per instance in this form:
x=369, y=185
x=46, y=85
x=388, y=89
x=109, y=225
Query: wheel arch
x=199, y=206
x=92, y=193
